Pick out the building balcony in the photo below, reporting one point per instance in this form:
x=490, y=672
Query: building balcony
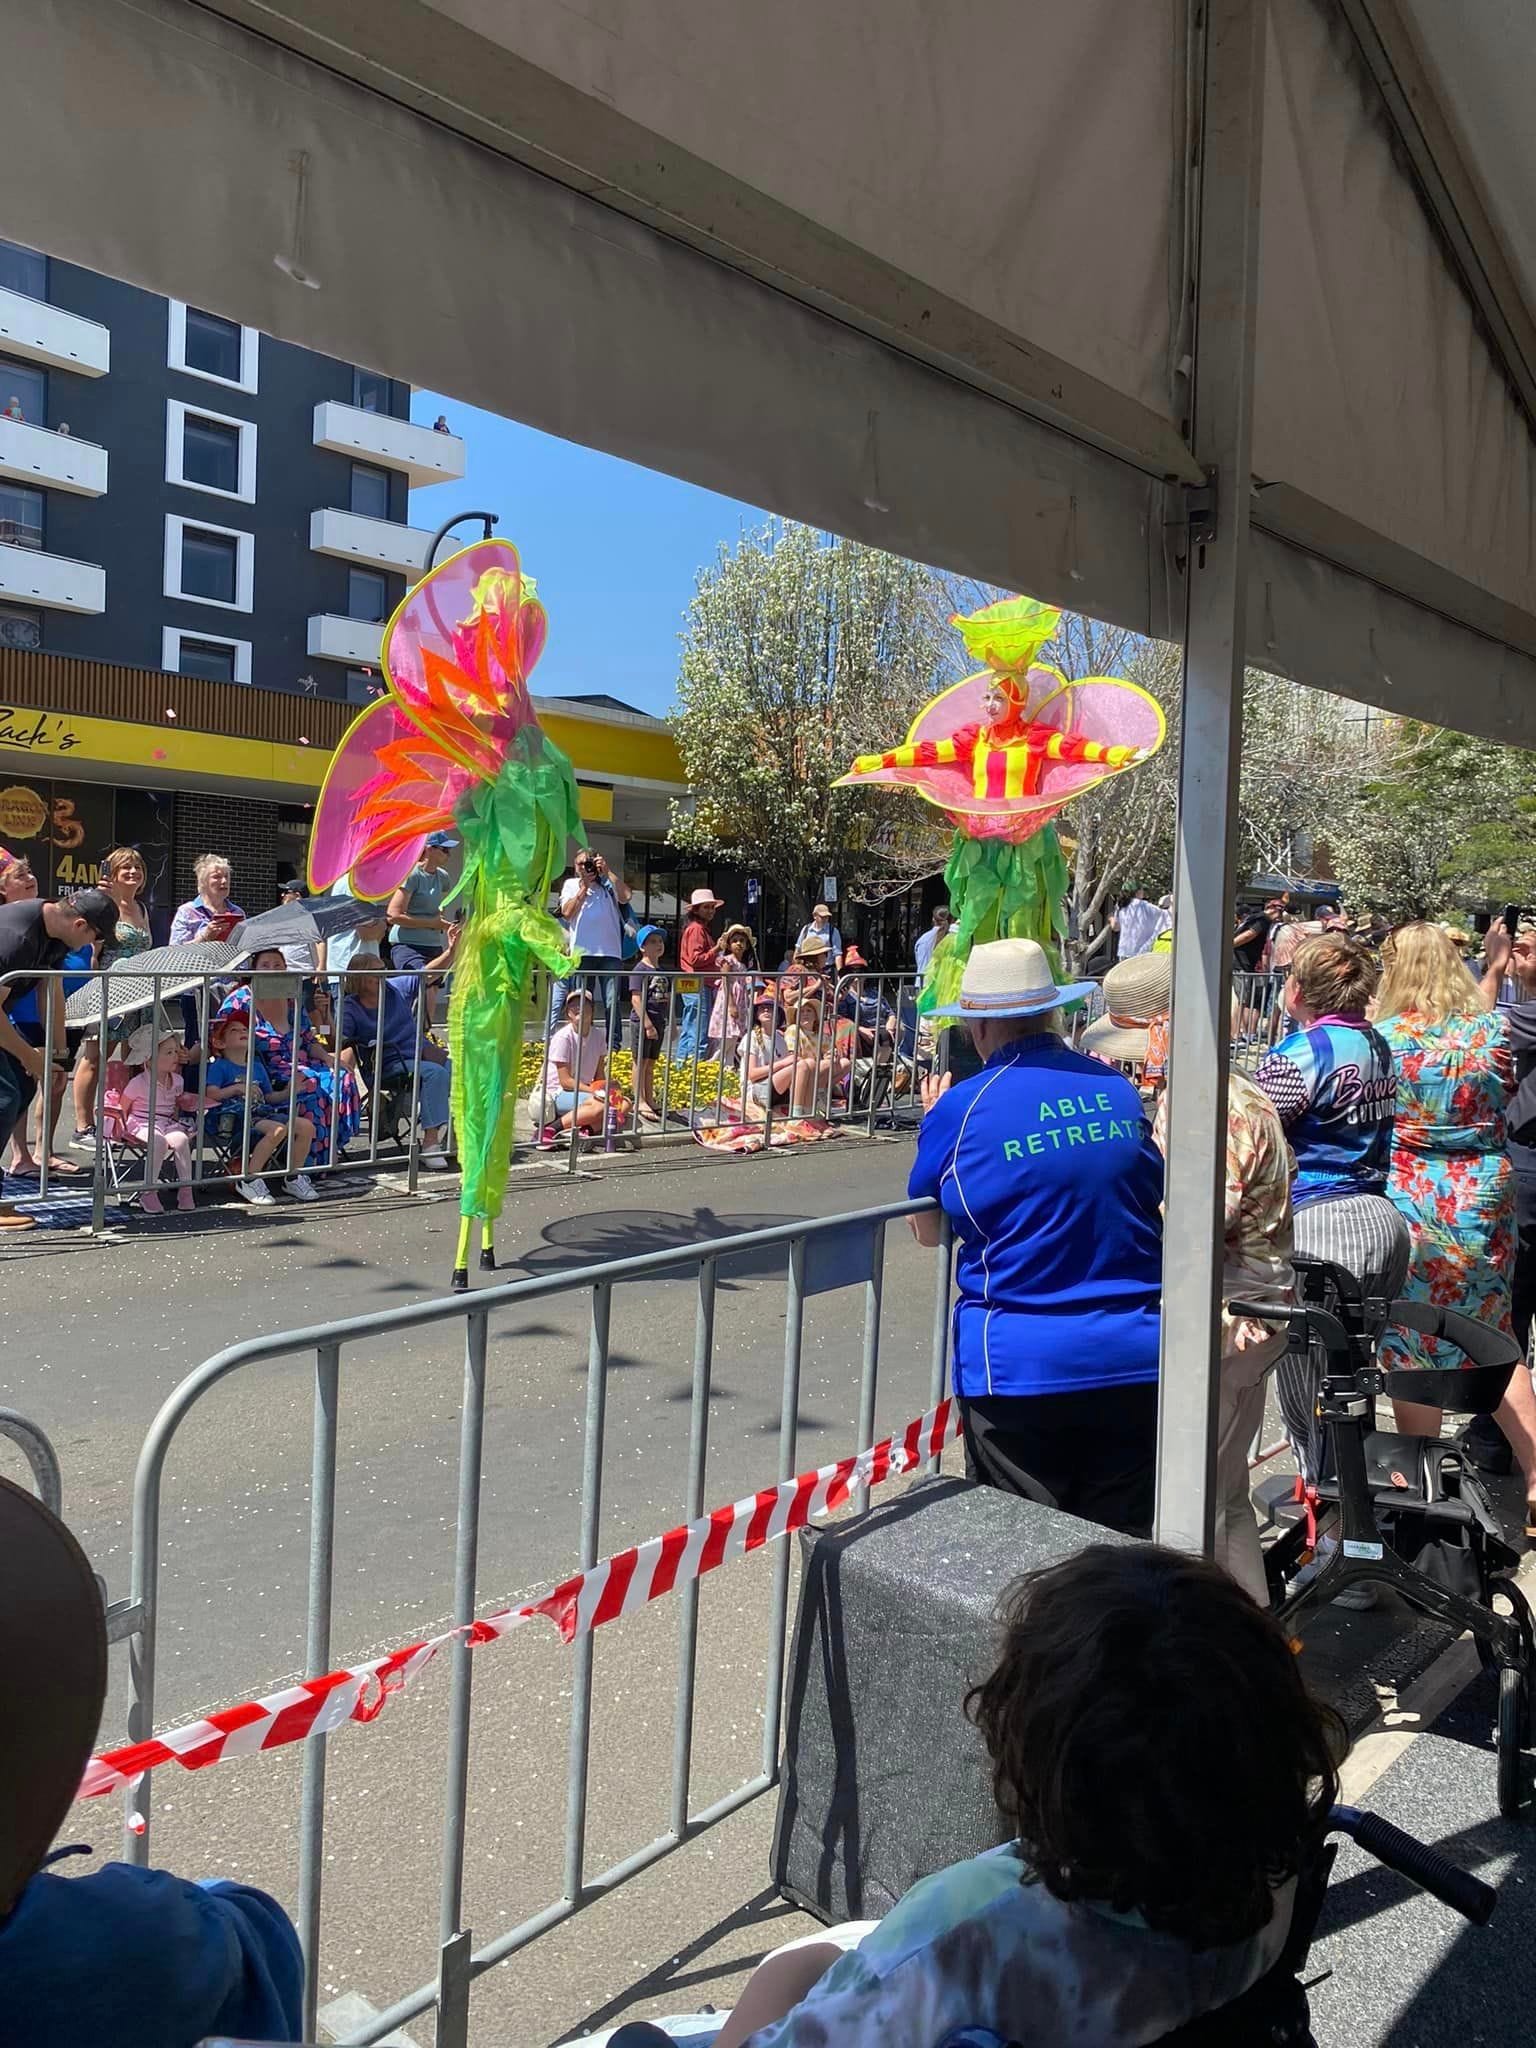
x=354, y=641
x=41, y=333
x=381, y=543
x=420, y=453
x=36, y=455
x=31, y=576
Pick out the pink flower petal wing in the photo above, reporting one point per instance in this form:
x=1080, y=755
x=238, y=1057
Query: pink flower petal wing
x=387, y=786
x=459, y=650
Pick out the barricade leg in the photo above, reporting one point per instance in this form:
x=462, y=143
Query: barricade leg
x=317, y=1661
x=693, y=1507
x=591, y=1522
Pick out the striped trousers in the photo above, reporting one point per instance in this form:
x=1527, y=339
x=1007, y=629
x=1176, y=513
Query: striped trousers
x=1365, y=1235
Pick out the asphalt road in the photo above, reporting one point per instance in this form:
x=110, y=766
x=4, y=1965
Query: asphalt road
x=98, y=1337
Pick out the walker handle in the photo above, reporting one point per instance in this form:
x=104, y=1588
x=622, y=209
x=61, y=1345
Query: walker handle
x=1426, y=1867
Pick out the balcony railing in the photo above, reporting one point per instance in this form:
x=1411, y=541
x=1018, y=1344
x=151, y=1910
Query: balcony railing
x=41, y=333
x=421, y=453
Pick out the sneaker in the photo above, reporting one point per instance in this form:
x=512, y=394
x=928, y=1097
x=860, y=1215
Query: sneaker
x=436, y=1160
x=256, y=1192
x=549, y=1137
x=301, y=1187
x=85, y=1137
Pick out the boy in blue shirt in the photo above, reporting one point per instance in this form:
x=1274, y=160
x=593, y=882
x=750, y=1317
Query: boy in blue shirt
x=1045, y=1165
x=234, y=1079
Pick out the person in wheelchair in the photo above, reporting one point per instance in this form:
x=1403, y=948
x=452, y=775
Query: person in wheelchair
x=1167, y=1778
x=379, y=1025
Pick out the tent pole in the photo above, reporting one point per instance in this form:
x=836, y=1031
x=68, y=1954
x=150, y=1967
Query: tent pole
x=1227, y=171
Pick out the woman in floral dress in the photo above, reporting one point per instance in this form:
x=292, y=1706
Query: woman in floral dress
x=1450, y=1178
x=280, y=1031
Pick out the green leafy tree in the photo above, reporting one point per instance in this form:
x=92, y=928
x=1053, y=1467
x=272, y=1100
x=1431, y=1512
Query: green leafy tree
x=1443, y=823
x=801, y=650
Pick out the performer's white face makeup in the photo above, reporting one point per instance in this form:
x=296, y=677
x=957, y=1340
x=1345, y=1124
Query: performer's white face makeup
x=995, y=702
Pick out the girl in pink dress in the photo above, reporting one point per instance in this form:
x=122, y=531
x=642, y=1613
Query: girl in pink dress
x=168, y=1134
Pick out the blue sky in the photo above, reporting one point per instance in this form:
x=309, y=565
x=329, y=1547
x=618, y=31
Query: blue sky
x=615, y=547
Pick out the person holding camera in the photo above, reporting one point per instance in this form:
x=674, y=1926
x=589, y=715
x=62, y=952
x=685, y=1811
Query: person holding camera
x=592, y=910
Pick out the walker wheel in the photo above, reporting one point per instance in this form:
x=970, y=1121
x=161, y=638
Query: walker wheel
x=1512, y=1734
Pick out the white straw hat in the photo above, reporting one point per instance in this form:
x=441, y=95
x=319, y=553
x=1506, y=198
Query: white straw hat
x=1011, y=978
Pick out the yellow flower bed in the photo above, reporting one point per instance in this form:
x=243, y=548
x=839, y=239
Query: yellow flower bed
x=674, y=1080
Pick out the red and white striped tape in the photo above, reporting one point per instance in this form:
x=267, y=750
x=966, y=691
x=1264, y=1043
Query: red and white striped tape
x=615, y=1586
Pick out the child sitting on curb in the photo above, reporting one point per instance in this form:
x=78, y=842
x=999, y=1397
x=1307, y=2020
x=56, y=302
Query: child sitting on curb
x=574, y=1085
x=231, y=1072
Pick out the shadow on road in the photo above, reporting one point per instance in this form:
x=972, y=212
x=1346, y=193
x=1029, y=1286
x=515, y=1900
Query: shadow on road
x=626, y=1233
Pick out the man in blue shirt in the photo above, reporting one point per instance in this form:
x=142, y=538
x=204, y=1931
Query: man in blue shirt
x=922, y=952
x=379, y=1017
x=1045, y=1166
x=138, y=1958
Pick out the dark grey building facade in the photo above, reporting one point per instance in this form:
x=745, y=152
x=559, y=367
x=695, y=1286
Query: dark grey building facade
x=179, y=492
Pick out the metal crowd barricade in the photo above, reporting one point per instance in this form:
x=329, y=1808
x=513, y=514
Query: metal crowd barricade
x=1261, y=1021
x=857, y=1058
x=185, y=1003
x=823, y=1256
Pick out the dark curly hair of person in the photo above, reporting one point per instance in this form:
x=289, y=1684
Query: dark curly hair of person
x=1152, y=1741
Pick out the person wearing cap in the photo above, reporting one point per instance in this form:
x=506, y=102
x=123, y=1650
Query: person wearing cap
x=592, y=904
x=304, y=956
x=121, y=1956
x=417, y=923
x=822, y=926
x=696, y=955
x=36, y=935
x=1045, y=1166
x=650, y=1002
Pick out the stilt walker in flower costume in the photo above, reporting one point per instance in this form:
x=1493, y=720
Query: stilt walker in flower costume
x=1001, y=752
x=455, y=742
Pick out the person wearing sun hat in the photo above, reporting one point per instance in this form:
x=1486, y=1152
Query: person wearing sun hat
x=696, y=955
x=1138, y=994
x=1045, y=1166
x=134, y=1958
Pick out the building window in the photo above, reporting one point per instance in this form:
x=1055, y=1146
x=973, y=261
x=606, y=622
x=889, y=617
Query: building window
x=208, y=345
x=208, y=655
x=362, y=685
x=370, y=391
x=20, y=626
x=370, y=491
x=209, y=564
x=21, y=516
x=23, y=270
x=367, y=596
x=23, y=392
x=213, y=660
x=208, y=451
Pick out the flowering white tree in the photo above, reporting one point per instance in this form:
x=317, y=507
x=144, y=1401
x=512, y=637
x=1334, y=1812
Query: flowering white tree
x=800, y=651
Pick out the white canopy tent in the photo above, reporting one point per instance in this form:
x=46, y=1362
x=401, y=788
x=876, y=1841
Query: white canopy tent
x=1025, y=290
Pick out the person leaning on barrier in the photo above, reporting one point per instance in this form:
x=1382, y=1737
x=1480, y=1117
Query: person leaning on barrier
x=38, y=936
x=120, y=1957
x=1045, y=1166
